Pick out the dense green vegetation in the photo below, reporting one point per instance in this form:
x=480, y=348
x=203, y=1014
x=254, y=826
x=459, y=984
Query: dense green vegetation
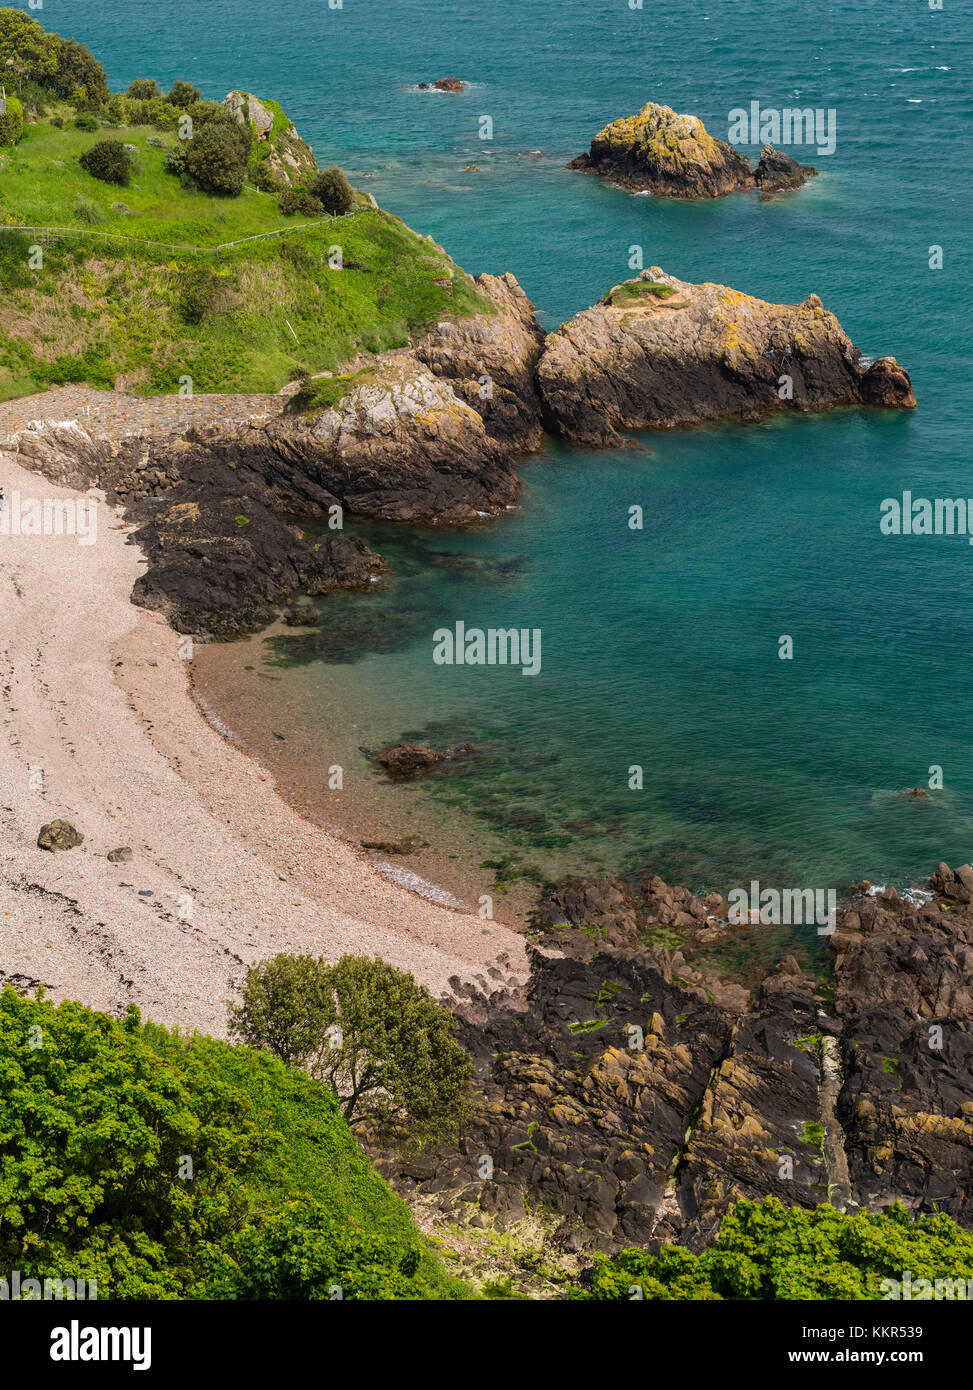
x=165, y=1166
x=374, y=1037
x=104, y=303
x=768, y=1251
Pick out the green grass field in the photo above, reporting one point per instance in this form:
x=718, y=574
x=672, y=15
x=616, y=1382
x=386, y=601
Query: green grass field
x=141, y=317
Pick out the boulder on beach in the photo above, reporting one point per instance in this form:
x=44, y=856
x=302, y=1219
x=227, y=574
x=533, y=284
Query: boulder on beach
x=59, y=834
x=407, y=759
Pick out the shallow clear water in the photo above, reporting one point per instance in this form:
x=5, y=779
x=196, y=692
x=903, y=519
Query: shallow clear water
x=660, y=646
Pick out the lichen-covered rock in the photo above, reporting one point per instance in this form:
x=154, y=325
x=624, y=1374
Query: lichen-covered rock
x=658, y=352
x=59, y=835
x=659, y=151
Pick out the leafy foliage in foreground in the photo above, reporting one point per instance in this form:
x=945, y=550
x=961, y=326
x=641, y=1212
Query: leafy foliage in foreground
x=377, y=1039
x=768, y=1251
x=98, y=1117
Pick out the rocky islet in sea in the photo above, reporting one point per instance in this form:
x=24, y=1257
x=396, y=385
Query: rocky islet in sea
x=662, y=152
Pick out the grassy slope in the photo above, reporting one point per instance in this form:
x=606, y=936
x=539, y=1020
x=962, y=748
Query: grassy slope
x=318, y=1158
x=107, y=312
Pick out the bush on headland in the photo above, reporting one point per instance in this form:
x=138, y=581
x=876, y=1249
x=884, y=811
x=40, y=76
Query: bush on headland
x=166, y=1166
x=216, y=156
x=377, y=1040
x=108, y=161
x=768, y=1251
x=11, y=122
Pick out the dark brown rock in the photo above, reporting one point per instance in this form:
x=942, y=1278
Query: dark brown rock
x=779, y=173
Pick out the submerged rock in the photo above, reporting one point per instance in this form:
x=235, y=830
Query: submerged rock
x=658, y=352
x=659, y=151
x=407, y=759
x=301, y=615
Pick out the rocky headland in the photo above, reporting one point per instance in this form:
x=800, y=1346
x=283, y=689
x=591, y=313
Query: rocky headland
x=430, y=433
x=674, y=156
x=657, y=352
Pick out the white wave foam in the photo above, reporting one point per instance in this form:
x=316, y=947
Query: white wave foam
x=416, y=884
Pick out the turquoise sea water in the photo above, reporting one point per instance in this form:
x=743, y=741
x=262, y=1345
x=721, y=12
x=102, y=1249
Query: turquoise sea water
x=660, y=646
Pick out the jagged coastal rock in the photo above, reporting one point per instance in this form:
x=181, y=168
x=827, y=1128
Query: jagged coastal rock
x=490, y=361
x=659, y=151
x=777, y=172
x=443, y=84
x=662, y=152
x=631, y=1098
x=657, y=352
x=289, y=159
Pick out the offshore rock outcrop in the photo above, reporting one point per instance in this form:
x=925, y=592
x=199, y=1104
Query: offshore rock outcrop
x=777, y=172
x=662, y=152
x=658, y=352
x=632, y=1099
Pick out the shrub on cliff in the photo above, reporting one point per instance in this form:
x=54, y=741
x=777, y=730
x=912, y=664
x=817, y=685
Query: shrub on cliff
x=198, y=290
x=333, y=191
x=377, y=1040
x=60, y=65
x=182, y=94
x=768, y=1251
x=12, y=122
x=303, y=1253
x=108, y=161
x=142, y=89
x=155, y=1163
x=216, y=157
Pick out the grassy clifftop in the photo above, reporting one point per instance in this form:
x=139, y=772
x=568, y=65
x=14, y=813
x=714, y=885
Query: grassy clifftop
x=113, y=305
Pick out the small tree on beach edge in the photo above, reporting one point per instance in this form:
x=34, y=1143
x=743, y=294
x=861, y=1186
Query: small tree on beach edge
x=369, y=1032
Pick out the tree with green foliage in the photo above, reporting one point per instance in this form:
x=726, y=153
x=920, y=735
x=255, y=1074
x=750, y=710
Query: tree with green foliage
x=79, y=75
x=159, y=1164
x=33, y=55
x=216, y=156
x=142, y=89
x=26, y=48
x=768, y=1251
x=108, y=161
x=12, y=122
x=182, y=94
x=94, y=1129
x=333, y=191
x=369, y=1032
